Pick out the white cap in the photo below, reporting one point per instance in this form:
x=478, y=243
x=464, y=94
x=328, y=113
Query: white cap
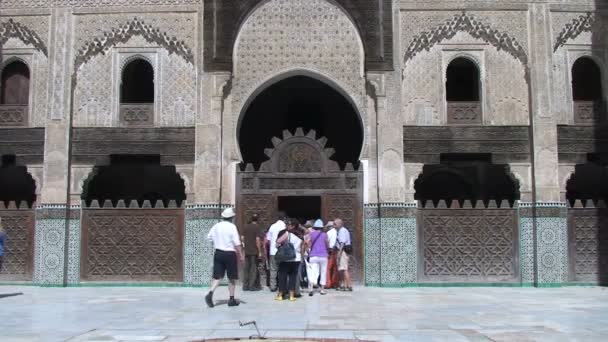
x=318, y=224
x=228, y=213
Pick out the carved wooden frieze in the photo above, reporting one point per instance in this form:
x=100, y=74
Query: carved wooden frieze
x=464, y=113
x=468, y=245
x=18, y=264
x=589, y=112
x=588, y=244
x=13, y=115
x=137, y=114
x=426, y=144
x=575, y=142
x=92, y=146
x=132, y=245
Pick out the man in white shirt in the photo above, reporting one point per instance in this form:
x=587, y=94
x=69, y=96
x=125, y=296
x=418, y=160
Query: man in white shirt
x=345, y=248
x=271, y=236
x=227, y=244
x=332, y=280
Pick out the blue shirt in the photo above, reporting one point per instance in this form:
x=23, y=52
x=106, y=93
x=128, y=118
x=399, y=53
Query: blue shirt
x=2, y=238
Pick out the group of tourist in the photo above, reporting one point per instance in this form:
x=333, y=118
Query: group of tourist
x=287, y=256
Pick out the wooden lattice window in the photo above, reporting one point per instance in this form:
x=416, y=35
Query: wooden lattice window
x=463, y=92
x=589, y=106
x=137, y=93
x=15, y=87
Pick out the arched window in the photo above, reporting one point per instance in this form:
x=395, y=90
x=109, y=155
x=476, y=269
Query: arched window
x=137, y=84
x=586, y=80
x=137, y=93
x=15, y=86
x=463, y=92
x=587, y=90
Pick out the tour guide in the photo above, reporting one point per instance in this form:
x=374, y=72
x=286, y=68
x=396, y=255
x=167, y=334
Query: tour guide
x=227, y=244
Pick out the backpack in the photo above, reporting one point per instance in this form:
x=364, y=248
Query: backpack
x=285, y=252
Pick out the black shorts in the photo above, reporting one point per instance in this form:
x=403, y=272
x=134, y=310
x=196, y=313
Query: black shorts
x=225, y=262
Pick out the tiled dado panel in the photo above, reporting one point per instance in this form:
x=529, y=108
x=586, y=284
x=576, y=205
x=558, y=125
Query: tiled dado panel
x=390, y=245
x=551, y=244
x=50, y=244
x=198, y=252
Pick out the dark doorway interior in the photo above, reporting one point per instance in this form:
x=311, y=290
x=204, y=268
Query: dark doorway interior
x=134, y=177
x=301, y=207
x=137, y=83
x=301, y=101
x=466, y=177
x=16, y=184
x=462, y=81
x=15, y=84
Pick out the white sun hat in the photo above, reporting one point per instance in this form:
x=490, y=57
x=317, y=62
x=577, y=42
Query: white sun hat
x=228, y=213
x=318, y=224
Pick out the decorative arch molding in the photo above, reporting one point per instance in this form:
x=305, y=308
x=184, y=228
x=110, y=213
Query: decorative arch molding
x=466, y=23
x=135, y=57
x=583, y=23
x=123, y=33
x=13, y=29
x=372, y=18
x=250, y=92
x=12, y=59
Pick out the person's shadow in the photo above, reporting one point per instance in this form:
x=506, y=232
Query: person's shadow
x=225, y=302
x=4, y=295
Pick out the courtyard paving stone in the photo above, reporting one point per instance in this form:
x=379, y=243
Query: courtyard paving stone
x=87, y=314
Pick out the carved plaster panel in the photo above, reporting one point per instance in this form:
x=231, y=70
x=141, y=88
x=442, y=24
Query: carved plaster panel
x=504, y=87
x=577, y=28
x=421, y=30
x=91, y=3
x=284, y=36
x=97, y=93
x=98, y=33
x=32, y=30
x=575, y=34
x=38, y=65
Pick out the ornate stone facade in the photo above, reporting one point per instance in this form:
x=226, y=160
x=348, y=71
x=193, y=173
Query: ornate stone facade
x=388, y=59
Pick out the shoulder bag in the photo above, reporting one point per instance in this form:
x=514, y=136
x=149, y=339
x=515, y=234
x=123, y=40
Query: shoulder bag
x=286, y=252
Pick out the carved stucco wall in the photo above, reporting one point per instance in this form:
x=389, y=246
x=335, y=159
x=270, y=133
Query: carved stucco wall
x=574, y=34
x=502, y=69
x=35, y=55
x=98, y=79
x=283, y=36
x=91, y=3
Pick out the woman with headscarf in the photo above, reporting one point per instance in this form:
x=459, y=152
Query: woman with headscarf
x=317, y=245
x=288, y=270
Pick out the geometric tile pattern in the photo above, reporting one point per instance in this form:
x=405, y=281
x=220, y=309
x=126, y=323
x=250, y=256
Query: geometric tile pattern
x=548, y=264
x=74, y=248
x=50, y=241
x=526, y=250
x=552, y=242
x=198, y=251
x=390, y=246
x=372, y=258
x=399, y=251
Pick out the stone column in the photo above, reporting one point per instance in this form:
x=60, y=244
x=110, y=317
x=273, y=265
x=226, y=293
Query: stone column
x=390, y=225
x=204, y=213
x=549, y=228
x=53, y=210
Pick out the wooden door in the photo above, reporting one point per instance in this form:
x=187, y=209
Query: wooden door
x=348, y=208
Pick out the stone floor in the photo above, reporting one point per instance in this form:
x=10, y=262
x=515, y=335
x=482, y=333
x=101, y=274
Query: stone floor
x=409, y=314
